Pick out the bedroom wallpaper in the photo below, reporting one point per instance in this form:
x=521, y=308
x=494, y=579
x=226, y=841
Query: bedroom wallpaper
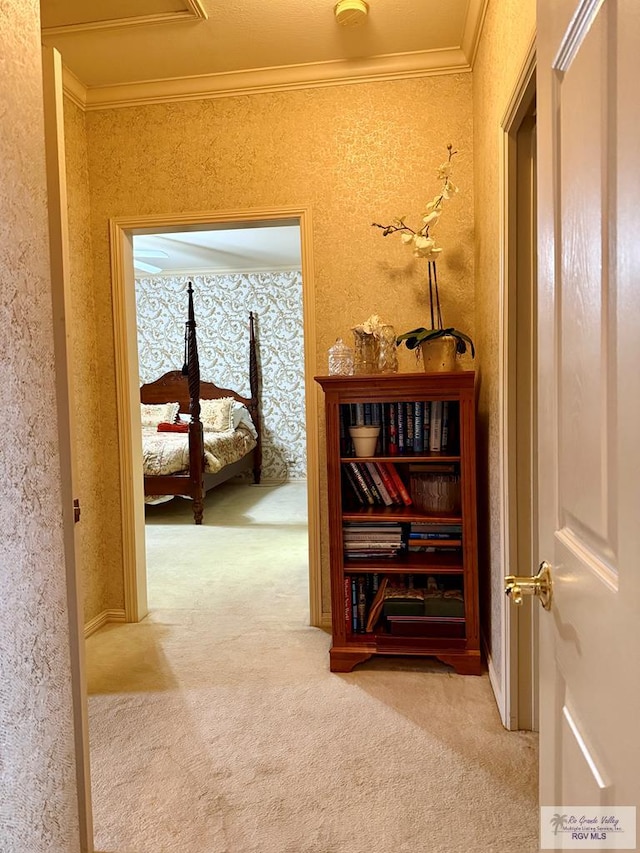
x=38, y=796
x=353, y=154
x=495, y=74
x=222, y=304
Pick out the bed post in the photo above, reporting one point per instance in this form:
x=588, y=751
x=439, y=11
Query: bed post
x=196, y=442
x=254, y=383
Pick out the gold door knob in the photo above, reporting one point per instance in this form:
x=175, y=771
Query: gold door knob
x=539, y=585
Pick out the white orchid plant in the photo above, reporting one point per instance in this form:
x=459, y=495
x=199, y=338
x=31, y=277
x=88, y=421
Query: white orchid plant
x=424, y=246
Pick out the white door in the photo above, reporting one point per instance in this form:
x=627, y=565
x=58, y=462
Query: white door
x=589, y=415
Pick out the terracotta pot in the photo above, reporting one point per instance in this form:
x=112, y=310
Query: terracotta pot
x=439, y=355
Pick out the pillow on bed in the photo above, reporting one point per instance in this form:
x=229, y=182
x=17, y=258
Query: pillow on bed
x=153, y=414
x=217, y=415
x=241, y=415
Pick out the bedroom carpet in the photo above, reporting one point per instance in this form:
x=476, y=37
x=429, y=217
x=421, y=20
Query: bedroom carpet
x=216, y=726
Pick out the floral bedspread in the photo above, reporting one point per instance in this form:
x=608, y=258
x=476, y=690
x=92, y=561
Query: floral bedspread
x=168, y=452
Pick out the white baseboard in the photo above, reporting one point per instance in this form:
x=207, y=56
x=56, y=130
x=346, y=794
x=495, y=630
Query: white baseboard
x=496, y=685
x=103, y=619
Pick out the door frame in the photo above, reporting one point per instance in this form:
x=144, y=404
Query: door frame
x=53, y=113
x=514, y=687
x=121, y=233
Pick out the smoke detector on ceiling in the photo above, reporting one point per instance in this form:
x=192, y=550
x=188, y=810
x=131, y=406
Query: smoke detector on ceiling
x=351, y=13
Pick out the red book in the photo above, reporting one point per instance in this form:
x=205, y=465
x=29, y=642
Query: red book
x=391, y=487
x=397, y=479
x=393, y=430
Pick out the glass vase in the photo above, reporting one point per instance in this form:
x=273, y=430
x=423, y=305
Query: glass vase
x=387, y=351
x=365, y=353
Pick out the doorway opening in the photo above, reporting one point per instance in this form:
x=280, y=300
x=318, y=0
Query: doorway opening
x=123, y=233
x=236, y=273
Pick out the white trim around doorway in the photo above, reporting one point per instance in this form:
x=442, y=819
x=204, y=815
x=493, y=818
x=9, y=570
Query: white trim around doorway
x=122, y=231
x=506, y=688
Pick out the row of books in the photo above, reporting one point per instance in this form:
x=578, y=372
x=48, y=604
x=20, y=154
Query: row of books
x=429, y=536
x=386, y=539
x=376, y=484
x=369, y=540
x=421, y=426
x=369, y=598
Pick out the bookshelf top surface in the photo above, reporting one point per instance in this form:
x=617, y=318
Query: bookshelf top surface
x=393, y=383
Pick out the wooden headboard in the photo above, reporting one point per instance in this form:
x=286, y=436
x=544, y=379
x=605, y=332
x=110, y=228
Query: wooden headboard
x=174, y=386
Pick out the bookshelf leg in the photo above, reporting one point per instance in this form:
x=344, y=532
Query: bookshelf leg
x=463, y=664
x=344, y=660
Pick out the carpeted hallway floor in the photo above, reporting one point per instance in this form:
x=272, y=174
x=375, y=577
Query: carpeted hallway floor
x=216, y=726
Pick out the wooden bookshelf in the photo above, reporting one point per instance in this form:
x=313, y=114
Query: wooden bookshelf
x=435, y=570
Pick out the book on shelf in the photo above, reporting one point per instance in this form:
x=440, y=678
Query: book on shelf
x=426, y=426
x=347, y=600
x=377, y=526
x=362, y=467
x=380, y=486
x=432, y=535
x=361, y=614
x=362, y=483
x=435, y=438
x=430, y=547
x=418, y=426
x=401, y=426
x=391, y=487
x=392, y=446
x=398, y=481
x=354, y=486
x=444, y=436
x=409, y=419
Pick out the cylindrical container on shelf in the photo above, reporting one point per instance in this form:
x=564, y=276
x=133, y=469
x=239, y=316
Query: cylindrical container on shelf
x=366, y=352
x=340, y=358
x=365, y=439
x=387, y=355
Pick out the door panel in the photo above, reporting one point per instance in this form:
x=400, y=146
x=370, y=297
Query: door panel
x=589, y=400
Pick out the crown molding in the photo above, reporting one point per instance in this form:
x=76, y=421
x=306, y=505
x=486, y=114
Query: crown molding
x=211, y=273
x=194, y=12
x=474, y=23
x=74, y=88
x=280, y=78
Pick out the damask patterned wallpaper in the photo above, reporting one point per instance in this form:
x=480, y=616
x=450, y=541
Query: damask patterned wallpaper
x=222, y=305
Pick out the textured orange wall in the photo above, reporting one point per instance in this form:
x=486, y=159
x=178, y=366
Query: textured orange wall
x=38, y=797
x=99, y=565
x=355, y=154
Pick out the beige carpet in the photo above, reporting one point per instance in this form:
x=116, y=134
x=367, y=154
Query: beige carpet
x=216, y=726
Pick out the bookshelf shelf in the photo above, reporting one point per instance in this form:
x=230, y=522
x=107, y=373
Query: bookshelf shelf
x=402, y=523
x=408, y=563
x=406, y=457
x=404, y=514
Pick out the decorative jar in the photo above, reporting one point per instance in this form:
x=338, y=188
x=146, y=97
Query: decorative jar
x=340, y=358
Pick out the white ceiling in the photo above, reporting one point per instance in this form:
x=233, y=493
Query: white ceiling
x=137, y=51
x=123, y=52
x=249, y=249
